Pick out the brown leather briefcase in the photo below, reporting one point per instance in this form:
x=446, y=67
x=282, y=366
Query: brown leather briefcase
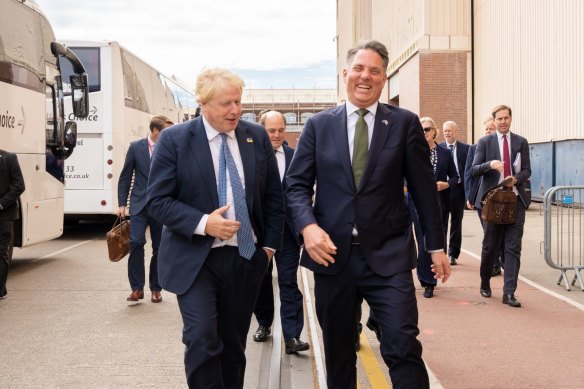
x=118, y=240
x=499, y=205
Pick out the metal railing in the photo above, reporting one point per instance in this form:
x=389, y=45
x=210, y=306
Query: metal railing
x=564, y=232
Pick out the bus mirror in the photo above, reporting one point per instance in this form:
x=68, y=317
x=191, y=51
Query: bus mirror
x=80, y=94
x=70, y=140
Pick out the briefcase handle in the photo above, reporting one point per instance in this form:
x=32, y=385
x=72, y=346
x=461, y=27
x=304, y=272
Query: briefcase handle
x=502, y=184
x=118, y=220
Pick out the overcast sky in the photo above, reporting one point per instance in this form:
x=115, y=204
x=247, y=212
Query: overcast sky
x=270, y=43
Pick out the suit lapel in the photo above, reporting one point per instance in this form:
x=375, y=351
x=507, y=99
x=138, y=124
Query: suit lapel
x=246, y=145
x=338, y=133
x=381, y=130
x=144, y=152
x=201, y=152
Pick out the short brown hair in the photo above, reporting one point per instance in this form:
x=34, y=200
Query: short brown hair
x=500, y=108
x=159, y=122
x=374, y=45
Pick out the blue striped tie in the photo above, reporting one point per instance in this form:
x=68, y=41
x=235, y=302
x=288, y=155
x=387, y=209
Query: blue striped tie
x=245, y=242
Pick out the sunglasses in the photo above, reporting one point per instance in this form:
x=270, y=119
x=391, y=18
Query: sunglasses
x=428, y=129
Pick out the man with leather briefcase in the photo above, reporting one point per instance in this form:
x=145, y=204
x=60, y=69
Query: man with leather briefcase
x=503, y=156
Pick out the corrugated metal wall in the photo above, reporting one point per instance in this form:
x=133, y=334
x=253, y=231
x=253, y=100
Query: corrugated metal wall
x=529, y=54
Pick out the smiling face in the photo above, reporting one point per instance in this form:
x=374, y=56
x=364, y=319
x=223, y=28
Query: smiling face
x=223, y=110
x=364, y=78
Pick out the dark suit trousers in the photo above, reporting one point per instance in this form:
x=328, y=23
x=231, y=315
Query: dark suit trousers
x=6, y=236
x=456, y=210
x=393, y=301
x=510, y=236
x=499, y=260
x=291, y=299
x=216, y=312
x=136, y=272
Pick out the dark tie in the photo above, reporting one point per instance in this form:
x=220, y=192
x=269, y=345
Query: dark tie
x=360, y=146
x=506, y=159
x=451, y=147
x=244, y=235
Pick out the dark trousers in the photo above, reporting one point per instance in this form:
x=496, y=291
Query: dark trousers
x=6, y=239
x=455, y=209
x=291, y=299
x=216, y=312
x=136, y=272
x=510, y=235
x=393, y=301
x=424, y=268
x=500, y=259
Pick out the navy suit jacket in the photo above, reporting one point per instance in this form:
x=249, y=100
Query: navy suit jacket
x=461, y=155
x=137, y=164
x=445, y=171
x=288, y=154
x=471, y=184
x=488, y=150
x=377, y=207
x=183, y=188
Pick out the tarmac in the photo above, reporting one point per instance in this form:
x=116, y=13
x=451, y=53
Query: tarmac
x=475, y=342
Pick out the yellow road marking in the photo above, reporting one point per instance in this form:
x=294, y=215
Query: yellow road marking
x=373, y=370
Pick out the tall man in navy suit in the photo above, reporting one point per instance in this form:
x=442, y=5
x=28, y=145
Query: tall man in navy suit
x=287, y=259
x=137, y=165
x=457, y=199
x=499, y=156
x=216, y=189
x=11, y=187
x=357, y=234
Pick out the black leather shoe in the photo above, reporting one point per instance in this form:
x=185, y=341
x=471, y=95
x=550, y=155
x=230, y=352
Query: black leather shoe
x=511, y=301
x=429, y=291
x=453, y=261
x=261, y=334
x=496, y=271
x=374, y=326
x=485, y=288
x=295, y=344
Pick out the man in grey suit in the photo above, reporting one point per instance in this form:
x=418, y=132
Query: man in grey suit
x=137, y=165
x=499, y=156
x=11, y=187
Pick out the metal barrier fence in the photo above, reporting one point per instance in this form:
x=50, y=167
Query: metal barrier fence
x=563, y=231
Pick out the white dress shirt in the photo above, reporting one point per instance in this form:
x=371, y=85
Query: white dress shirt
x=281, y=159
x=214, y=138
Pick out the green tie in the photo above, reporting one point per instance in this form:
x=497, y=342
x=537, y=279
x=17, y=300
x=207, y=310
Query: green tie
x=360, y=146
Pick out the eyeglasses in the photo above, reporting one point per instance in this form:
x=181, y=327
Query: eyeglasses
x=428, y=129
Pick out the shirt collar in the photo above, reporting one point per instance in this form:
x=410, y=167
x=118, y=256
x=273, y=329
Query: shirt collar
x=351, y=108
x=500, y=136
x=150, y=143
x=451, y=144
x=280, y=149
x=212, y=133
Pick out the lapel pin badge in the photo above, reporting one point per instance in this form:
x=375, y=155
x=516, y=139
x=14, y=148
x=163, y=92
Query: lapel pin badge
x=385, y=122
x=249, y=140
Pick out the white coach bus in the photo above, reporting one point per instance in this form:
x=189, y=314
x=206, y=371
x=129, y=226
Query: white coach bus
x=125, y=92
x=32, y=122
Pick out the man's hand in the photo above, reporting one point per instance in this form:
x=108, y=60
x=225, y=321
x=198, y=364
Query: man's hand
x=469, y=205
x=269, y=253
x=497, y=165
x=122, y=212
x=440, y=266
x=219, y=227
x=512, y=183
x=441, y=185
x=319, y=245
